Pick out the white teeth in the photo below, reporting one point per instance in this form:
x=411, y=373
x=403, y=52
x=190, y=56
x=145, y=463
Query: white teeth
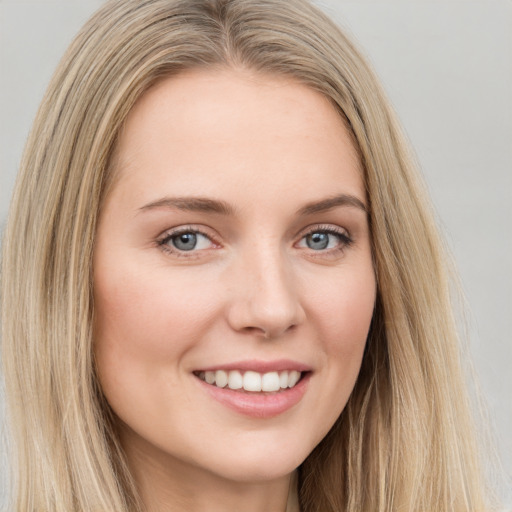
x=283, y=379
x=270, y=382
x=221, y=378
x=293, y=378
x=252, y=381
x=235, y=380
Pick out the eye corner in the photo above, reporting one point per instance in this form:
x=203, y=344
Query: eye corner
x=195, y=241
x=330, y=240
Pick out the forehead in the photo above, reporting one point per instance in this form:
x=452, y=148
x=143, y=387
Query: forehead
x=206, y=128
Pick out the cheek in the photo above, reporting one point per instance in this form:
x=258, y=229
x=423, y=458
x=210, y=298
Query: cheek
x=147, y=310
x=145, y=324
x=343, y=313
x=344, y=310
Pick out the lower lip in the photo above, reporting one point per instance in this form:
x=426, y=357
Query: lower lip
x=259, y=405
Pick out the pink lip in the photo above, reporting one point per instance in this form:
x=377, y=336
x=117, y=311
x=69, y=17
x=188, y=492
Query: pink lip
x=260, y=366
x=258, y=405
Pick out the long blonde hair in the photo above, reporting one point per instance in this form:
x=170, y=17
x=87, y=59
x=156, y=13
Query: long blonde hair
x=404, y=440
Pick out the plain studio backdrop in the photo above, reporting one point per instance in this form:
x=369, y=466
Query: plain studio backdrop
x=447, y=67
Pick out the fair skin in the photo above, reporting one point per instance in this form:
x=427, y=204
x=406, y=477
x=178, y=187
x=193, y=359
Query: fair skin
x=233, y=245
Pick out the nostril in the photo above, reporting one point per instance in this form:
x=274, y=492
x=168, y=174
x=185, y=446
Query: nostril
x=268, y=308
x=268, y=333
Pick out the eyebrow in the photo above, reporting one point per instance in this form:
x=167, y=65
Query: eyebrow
x=332, y=202
x=191, y=204
x=207, y=205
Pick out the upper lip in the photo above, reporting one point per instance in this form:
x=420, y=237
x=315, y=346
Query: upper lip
x=260, y=366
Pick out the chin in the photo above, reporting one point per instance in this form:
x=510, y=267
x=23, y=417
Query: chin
x=251, y=472
x=261, y=464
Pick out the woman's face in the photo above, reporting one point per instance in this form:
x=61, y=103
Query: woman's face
x=233, y=254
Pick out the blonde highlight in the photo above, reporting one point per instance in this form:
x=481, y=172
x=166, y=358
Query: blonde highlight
x=405, y=439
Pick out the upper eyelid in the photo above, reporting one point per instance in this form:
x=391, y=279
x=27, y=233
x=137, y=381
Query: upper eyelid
x=344, y=237
x=162, y=243
x=329, y=228
x=214, y=238
x=170, y=232
x=205, y=231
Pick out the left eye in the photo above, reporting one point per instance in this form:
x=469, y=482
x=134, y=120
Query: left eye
x=321, y=240
x=188, y=241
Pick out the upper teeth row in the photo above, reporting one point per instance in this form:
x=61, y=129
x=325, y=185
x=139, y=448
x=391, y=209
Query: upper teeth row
x=252, y=381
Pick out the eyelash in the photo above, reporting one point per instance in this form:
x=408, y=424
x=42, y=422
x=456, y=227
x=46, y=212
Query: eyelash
x=344, y=240
x=164, y=241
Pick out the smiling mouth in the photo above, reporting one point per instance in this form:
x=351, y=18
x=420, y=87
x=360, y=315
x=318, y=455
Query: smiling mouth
x=251, y=381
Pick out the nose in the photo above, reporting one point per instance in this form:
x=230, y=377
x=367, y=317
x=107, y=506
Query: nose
x=265, y=300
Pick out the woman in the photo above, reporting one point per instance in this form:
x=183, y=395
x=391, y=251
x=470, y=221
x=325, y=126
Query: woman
x=220, y=266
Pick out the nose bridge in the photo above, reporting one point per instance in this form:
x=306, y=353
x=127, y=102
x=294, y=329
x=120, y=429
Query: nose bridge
x=266, y=300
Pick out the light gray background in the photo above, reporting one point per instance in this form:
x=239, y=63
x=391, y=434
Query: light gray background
x=447, y=67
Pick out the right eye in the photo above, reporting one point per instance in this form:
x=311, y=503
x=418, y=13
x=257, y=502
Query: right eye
x=181, y=241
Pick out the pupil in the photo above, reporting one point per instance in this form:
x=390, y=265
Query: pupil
x=185, y=241
x=318, y=241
